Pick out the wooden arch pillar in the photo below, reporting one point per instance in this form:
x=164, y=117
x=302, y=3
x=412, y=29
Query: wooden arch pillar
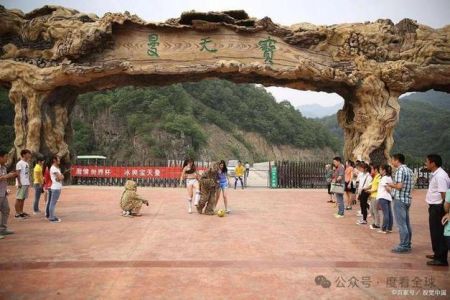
x=368, y=119
x=42, y=119
x=50, y=54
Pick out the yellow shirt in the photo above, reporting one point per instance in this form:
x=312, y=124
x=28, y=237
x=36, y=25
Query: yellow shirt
x=37, y=174
x=239, y=171
x=375, y=183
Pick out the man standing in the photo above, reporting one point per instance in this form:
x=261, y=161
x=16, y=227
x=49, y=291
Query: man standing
x=439, y=183
x=402, y=187
x=338, y=178
x=4, y=205
x=239, y=173
x=247, y=169
x=247, y=172
x=23, y=180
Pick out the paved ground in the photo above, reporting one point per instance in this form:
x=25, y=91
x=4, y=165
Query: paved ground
x=273, y=246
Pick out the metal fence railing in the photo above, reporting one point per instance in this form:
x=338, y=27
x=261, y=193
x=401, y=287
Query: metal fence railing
x=296, y=174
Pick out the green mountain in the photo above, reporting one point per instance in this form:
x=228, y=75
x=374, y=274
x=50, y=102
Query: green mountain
x=424, y=126
x=211, y=119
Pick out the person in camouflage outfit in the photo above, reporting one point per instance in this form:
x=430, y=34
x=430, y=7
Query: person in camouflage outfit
x=131, y=202
x=208, y=188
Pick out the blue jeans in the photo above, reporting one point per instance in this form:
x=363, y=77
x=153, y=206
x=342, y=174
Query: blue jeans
x=340, y=201
x=37, y=196
x=51, y=203
x=401, y=211
x=387, y=214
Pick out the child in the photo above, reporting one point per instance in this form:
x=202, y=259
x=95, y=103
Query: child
x=223, y=184
x=384, y=198
x=131, y=202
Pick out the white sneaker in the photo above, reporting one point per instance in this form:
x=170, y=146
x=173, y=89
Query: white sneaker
x=36, y=212
x=228, y=211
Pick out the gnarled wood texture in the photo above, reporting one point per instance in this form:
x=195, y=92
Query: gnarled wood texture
x=52, y=54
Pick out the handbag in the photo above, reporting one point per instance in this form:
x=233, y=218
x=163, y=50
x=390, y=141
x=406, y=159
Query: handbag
x=337, y=188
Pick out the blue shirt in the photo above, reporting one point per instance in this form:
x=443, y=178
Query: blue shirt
x=222, y=177
x=403, y=175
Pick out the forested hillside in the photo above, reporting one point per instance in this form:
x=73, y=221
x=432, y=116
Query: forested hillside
x=424, y=126
x=211, y=119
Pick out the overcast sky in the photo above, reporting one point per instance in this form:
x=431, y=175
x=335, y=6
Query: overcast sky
x=435, y=13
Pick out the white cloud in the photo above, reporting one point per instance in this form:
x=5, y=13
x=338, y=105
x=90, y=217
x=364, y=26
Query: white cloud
x=298, y=98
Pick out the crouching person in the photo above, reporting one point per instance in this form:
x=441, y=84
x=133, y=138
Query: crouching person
x=208, y=188
x=131, y=202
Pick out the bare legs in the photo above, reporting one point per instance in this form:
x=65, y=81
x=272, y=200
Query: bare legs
x=191, y=189
x=225, y=198
x=19, y=206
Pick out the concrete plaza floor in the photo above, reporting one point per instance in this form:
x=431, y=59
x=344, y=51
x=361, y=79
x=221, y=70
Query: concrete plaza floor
x=274, y=245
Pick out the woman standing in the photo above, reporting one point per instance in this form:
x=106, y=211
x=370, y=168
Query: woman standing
x=385, y=198
x=47, y=185
x=191, y=175
x=349, y=187
x=223, y=184
x=38, y=183
x=363, y=191
x=375, y=173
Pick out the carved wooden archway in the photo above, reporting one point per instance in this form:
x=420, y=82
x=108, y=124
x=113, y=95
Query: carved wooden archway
x=52, y=54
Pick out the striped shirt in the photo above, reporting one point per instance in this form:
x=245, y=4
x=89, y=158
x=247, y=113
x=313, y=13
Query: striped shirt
x=403, y=175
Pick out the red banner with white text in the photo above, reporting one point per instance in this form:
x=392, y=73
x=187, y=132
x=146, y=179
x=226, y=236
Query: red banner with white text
x=127, y=172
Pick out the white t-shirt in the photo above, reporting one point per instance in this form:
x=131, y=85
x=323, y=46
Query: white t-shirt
x=24, y=172
x=382, y=193
x=439, y=183
x=55, y=184
x=365, y=180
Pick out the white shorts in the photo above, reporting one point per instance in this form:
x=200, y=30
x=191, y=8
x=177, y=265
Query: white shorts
x=191, y=181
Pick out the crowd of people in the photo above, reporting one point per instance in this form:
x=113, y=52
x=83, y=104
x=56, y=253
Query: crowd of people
x=47, y=181
x=384, y=194
x=204, y=190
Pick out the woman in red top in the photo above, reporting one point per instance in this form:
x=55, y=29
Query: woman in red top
x=47, y=182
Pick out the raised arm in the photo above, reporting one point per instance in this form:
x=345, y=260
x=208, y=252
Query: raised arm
x=182, y=175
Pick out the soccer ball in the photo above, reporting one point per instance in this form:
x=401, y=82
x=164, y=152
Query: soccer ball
x=221, y=213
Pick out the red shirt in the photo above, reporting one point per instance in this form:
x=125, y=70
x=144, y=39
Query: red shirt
x=47, y=179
